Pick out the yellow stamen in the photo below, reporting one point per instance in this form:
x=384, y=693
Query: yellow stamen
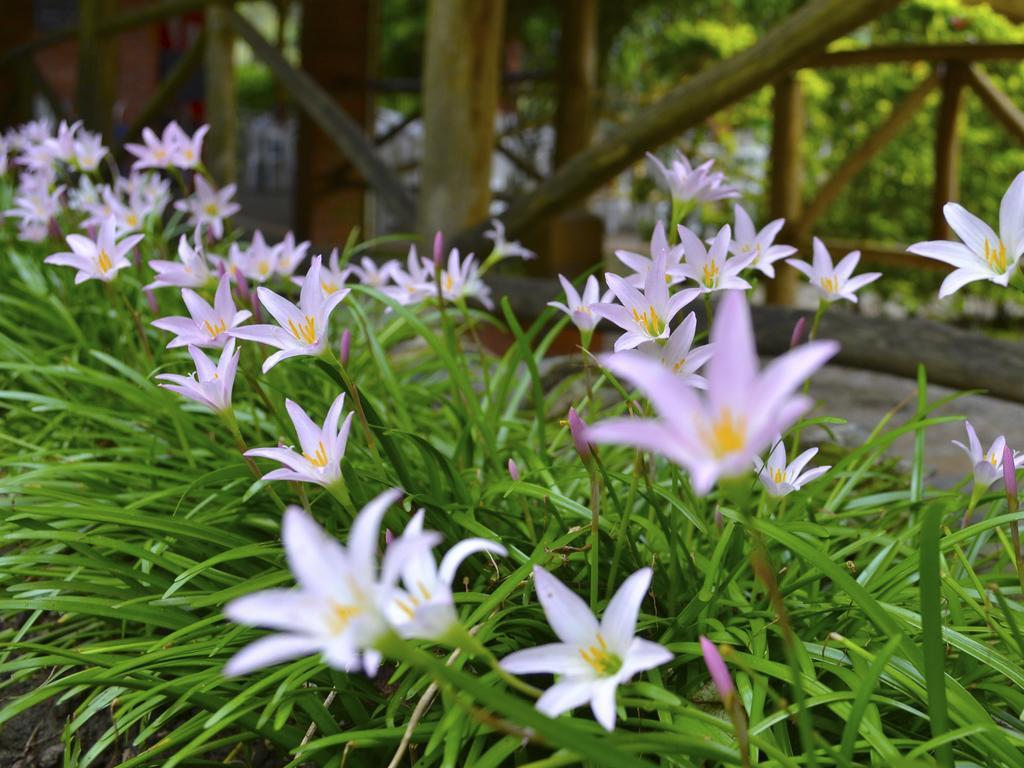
x=103, y=260
x=215, y=329
x=132, y=220
x=649, y=321
x=318, y=459
x=830, y=284
x=778, y=475
x=726, y=435
x=449, y=283
x=679, y=365
x=996, y=256
x=423, y=590
x=340, y=616
x=328, y=287
x=304, y=331
x=711, y=274
x=600, y=659
x=263, y=268
x=211, y=209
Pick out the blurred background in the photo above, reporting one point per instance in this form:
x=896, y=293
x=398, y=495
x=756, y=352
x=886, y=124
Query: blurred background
x=398, y=116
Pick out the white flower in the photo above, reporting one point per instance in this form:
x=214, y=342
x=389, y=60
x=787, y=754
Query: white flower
x=370, y=273
x=414, y=284
x=580, y=308
x=747, y=240
x=209, y=206
x=34, y=202
x=323, y=447
x=982, y=255
x=338, y=609
x=593, y=658
x=258, y=262
x=88, y=151
x=641, y=265
x=155, y=151
x=187, y=151
x=99, y=259
x=302, y=328
x=425, y=608
x=503, y=248
x=834, y=283
x=461, y=280
x=711, y=268
x=678, y=354
x=332, y=277
x=687, y=183
x=780, y=479
x=290, y=254
x=192, y=271
x=986, y=465
x=208, y=326
x=212, y=384
x=644, y=316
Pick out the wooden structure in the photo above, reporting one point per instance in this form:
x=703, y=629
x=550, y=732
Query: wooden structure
x=461, y=91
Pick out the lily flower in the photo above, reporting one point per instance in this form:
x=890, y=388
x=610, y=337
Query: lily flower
x=717, y=433
x=748, y=240
x=987, y=465
x=687, y=183
x=62, y=146
x=323, y=447
x=332, y=277
x=192, y=271
x=982, y=255
x=290, y=254
x=155, y=151
x=641, y=265
x=461, y=280
x=834, y=282
x=338, y=608
x=99, y=259
x=413, y=284
x=35, y=202
x=506, y=249
x=258, y=262
x=424, y=607
x=644, y=316
x=593, y=658
x=211, y=385
x=781, y=479
x=370, y=273
x=678, y=354
x=208, y=326
x=187, y=150
x=88, y=151
x=209, y=206
x=580, y=308
x=711, y=268
x=301, y=328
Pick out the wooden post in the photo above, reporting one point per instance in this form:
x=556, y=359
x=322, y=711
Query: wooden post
x=330, y=193
x=460, y=97
x=97, y=66
x=577, y=78
x=947, y=148
x=219, y=87
x=786, y=195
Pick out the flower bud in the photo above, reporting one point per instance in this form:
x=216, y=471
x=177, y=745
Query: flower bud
x=1010, y=479
x=799, y=333
x=719, y=671
x=513, y=470
x=578, y=430
x=438, y=249
x=154, y=306
x=345, y=348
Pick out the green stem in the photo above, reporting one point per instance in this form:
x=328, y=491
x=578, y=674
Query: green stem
x=460, y=637
x=357, y=403
x=595, y=517
x=229, y=419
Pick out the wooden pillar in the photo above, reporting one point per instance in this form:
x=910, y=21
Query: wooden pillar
x=339, y=54
x=97, y=66
x=786, y=194
x=947, y=148
x=575, y=239
x=460, y=97
x=15, y=93
x=219, y=90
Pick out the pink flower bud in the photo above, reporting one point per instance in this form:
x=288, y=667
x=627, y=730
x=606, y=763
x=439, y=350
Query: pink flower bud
x=719, y=671
x=345, y=348
x=388, y=537
x=1010, y=479
x=438, y=249
x=799, y=332
x=513, y=470
x=578, y=429
x=154, y=306
x=243, y=286
x=221, y=269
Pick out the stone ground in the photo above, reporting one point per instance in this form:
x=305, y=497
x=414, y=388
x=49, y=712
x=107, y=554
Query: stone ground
x=864, y=397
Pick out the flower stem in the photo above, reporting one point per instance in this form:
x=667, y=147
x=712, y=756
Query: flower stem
x=460, y=637
x=229, y=419
x=357, y=403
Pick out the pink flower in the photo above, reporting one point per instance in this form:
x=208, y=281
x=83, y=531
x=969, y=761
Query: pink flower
x=834, y=282
x=717, y=433
x=99, y=259
x=208, y=326
x=212, y=384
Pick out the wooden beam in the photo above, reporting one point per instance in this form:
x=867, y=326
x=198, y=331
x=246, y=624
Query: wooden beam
x=885, y=133
x=999, y=104
x=880, y=254
x=577, y=79
x=879, y=54
x=333, y=120
x=97, y=67
x=461, y=78
x=787, y=173
x=810, y=28
x=220, y=97
x=947, y=148
x=169, y=86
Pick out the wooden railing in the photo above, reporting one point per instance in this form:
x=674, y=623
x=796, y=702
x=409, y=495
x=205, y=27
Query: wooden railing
x=795, y=44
